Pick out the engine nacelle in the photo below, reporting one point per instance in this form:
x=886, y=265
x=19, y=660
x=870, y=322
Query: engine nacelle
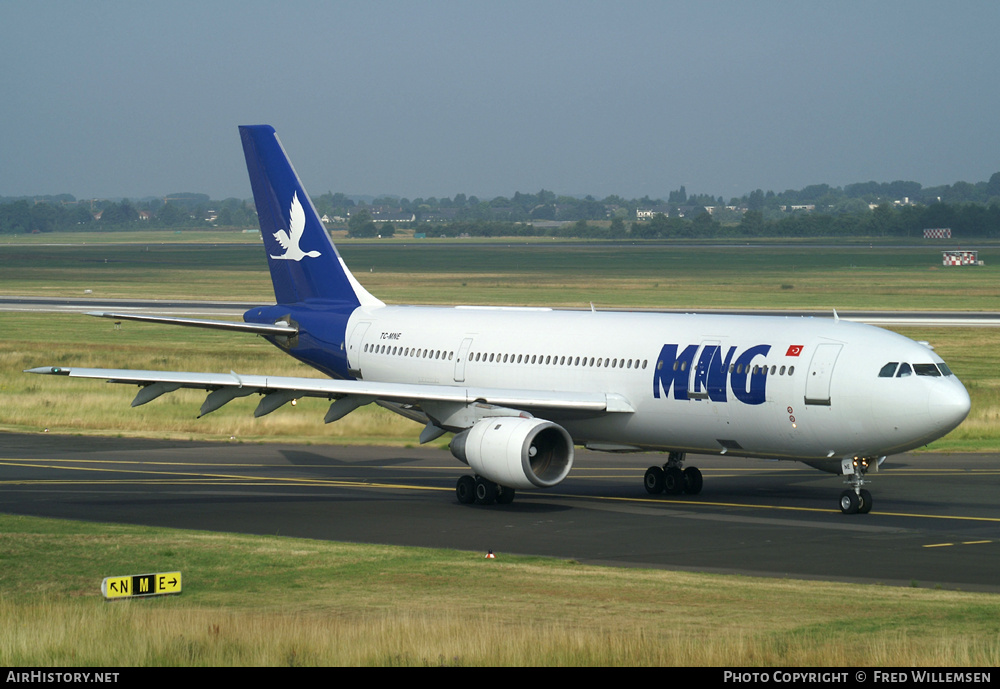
x=516, y=452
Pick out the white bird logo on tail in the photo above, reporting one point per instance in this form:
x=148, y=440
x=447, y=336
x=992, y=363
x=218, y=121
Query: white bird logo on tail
x=296, y=225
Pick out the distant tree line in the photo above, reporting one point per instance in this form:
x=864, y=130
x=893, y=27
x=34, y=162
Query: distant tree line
x=66, y=214
x=965, y=220
x=864, y=209
x=546, y=205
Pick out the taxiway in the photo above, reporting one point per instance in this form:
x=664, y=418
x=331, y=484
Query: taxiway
x=936, y=520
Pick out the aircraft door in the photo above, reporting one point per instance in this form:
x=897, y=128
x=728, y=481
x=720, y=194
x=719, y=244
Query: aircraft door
x=820, y=373
x=463, y=352
x=698, y=377
x=354, y=346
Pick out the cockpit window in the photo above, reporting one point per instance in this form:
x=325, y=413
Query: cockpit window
x=933, y=370
x=888, y=370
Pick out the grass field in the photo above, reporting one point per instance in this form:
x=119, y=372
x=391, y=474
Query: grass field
x=539, y=273
x=251, y=600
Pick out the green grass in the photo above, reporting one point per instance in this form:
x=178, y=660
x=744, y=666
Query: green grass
x=554, y=274
x=255, y=600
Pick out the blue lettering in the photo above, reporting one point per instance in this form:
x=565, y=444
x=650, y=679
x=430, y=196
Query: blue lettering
x=755, y=393
x=718, y=371
x=701, y=371
x=671, y=370
x=713, y=372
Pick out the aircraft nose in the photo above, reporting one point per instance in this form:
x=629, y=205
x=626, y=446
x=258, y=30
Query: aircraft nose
x=949, y=406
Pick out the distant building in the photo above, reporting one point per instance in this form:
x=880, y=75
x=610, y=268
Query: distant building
x=440, y=215
x=387, y=214
x=648, y=213
x=394, y=217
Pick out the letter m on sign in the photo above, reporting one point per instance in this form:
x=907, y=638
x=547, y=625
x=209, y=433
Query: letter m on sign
x=673, y=370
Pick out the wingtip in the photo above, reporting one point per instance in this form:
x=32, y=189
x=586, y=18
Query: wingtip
x=49, y=370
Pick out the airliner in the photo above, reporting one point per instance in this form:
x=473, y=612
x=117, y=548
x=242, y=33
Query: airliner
x=521, y=387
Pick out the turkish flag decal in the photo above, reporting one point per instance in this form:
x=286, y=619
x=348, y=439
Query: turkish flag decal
x=794, y=350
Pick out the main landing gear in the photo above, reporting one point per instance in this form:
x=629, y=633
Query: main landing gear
x=482, y=491
x=857, y=500
x=672, y=479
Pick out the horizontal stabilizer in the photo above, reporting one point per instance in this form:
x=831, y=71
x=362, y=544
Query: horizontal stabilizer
x=256, y=328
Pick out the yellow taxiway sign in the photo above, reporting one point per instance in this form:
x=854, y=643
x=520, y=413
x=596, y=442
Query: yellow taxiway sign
x=133, y=585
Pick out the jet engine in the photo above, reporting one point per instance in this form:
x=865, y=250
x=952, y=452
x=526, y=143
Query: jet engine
x=516, y=452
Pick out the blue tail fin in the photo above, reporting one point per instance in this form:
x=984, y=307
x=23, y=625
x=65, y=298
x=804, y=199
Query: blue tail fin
x=303, y=261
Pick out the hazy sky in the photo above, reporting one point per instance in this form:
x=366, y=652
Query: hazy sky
x=432, y=98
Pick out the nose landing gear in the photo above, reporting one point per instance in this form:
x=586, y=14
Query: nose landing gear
x=857, y=500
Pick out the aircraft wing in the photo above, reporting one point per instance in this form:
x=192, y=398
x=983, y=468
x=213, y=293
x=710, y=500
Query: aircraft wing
x=277, y=390
x=258, y=328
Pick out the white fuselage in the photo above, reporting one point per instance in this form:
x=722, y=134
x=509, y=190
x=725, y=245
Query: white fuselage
x=795, y=388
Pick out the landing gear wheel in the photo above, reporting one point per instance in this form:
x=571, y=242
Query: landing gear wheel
x=654, y=480
x=850, y=503
x=857, y=500
x=465, y=490
x=692, y=481
x=486, y=491
x=673, y=481
x=505, y=496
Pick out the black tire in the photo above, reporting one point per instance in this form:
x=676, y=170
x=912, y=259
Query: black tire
x=866, y=502
x=505, y=495
x=692, y=481
x=653, y=480
x=673, y=481
x=465, y=490
x=849, y=502
x=486, y=491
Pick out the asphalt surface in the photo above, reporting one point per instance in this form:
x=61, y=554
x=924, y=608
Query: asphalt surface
x=935, y=522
